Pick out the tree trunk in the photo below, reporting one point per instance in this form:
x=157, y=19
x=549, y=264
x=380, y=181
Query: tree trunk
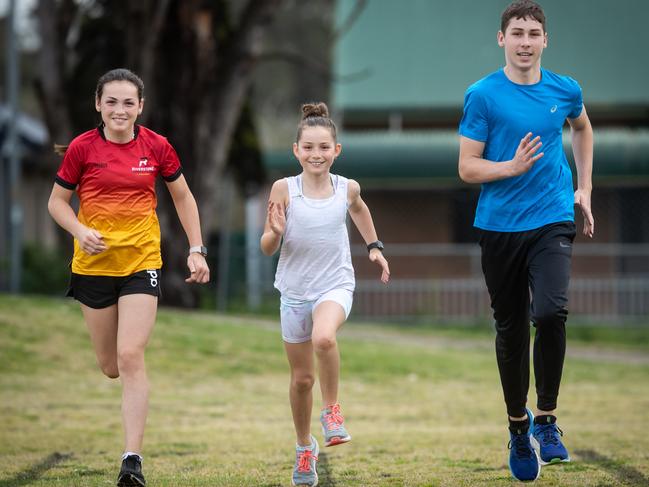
x=226, y=78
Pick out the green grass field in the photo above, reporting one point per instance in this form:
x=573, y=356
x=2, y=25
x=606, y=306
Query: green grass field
x=424, y=405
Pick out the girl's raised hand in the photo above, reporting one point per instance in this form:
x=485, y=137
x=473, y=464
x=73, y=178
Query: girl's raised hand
x=277, y=218
x=377, y=256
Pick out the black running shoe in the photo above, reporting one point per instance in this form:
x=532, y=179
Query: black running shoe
x=130, y=475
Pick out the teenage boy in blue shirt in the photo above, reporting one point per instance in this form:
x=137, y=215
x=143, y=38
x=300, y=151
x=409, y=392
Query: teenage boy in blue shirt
x=511, y=143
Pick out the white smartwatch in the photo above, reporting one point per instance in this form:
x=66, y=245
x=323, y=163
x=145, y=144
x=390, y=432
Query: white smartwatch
x=198, y=249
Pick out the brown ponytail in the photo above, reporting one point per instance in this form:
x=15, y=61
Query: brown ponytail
x=60, y=149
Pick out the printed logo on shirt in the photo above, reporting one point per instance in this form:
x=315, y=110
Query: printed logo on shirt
x=553, y=109
x=143, y=166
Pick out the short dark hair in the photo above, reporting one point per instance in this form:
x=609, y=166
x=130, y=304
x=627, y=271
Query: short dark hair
x=120, y=74
x=522, y=9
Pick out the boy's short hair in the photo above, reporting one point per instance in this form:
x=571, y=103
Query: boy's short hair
x=522, y=9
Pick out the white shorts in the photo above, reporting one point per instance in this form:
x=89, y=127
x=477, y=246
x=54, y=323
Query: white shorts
x=296, y=317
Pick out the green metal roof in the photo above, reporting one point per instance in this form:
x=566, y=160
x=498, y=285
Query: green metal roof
x=424, y=53
x=421, y=158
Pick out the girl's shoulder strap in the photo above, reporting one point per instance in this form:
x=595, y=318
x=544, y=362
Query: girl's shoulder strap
x=294, y=186
x=340, y=182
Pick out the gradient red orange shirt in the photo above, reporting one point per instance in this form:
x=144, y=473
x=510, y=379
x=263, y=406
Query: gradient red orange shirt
x=116, y=188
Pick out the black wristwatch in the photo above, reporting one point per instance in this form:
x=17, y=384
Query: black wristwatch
x=375, y=245
x=199, y=249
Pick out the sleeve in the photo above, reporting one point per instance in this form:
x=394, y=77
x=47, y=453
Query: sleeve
x=474, y=123
x=170, y=167
x=71, y=169
x=578, y=103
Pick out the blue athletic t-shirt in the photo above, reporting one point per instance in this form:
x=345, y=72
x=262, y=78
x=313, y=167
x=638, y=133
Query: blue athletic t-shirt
x=500, y=113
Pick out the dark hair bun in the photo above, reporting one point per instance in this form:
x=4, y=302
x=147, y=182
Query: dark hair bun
x=314, y=110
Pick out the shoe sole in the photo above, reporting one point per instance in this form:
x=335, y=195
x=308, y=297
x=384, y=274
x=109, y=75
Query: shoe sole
x=128, y=480
x=306, y=485
x=538, y=473
x=337, y=440
x=537, y=449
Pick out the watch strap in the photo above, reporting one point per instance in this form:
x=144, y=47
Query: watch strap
x=198, y=249
x=375, y=245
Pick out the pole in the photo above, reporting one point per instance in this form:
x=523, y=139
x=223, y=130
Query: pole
x=254, y=228
x=11, y=150
x=225, y=237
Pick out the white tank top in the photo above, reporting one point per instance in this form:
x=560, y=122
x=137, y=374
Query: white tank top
x=315, y=256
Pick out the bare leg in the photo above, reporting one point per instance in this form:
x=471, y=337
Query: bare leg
x=102, y=325
x=300, y=359
x=137, y=314
x=328, y=317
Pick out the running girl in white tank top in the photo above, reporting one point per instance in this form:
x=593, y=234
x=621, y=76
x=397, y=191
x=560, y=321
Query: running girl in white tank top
x=307, y=216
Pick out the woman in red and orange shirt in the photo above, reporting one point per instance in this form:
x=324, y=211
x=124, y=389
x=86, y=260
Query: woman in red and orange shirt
x=116, y=264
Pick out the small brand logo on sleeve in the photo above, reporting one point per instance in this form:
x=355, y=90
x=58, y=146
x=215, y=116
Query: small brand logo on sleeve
x=553, y=109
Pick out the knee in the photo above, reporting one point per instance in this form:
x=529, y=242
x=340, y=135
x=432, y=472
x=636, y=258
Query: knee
x=108, y=366
x=549, y=315
x=323, y=344
x=110, y=370
x=302, y=382
x=130, y=360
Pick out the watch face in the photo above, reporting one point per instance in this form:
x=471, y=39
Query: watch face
x=375, y=245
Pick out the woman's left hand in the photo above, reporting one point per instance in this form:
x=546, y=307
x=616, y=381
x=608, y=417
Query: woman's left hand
x=377, y=256
x=199, y=272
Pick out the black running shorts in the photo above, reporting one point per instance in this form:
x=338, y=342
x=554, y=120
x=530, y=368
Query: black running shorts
x=103, y=291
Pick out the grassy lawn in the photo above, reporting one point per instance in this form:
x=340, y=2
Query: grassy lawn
x=424, y=405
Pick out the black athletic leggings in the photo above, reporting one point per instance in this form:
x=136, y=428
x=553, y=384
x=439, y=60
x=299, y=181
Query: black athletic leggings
x=518, y=266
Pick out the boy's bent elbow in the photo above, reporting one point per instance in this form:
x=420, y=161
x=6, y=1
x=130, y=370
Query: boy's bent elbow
x=464, y=173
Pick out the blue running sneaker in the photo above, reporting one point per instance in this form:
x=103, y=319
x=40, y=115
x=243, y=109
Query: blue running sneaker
x=546, y=440
x=304, y=471
x=333, y=428
x=523, y=461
